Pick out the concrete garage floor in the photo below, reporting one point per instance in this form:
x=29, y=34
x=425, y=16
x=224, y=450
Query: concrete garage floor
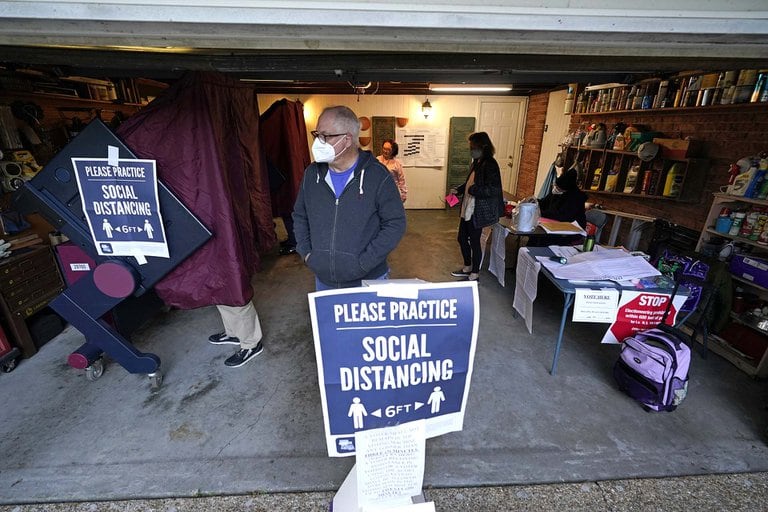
x=258, y=429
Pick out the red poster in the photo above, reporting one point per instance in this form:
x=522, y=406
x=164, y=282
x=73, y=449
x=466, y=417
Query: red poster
x=639, y=311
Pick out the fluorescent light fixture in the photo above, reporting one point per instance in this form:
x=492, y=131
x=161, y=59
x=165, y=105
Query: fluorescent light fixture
x=469, y=88
x=145, y=49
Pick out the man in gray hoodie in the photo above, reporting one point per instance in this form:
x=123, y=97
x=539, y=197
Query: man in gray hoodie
x=348, y=215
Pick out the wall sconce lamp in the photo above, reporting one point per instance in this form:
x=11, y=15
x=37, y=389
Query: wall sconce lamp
x=426, y=108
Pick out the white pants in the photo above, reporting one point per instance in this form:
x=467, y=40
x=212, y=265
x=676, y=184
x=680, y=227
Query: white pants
x=243, y=323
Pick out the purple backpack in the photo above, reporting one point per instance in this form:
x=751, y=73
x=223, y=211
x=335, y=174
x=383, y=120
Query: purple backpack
x=653, y=368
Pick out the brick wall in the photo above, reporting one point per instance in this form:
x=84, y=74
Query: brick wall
x=534, y=133
x=729, y=133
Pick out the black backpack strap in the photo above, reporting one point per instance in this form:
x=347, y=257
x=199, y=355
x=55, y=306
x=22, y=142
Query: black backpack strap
x=669, y=304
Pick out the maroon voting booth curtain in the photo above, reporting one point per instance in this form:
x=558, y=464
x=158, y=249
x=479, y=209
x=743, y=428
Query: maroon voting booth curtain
x=284, y=142
x=204, y=134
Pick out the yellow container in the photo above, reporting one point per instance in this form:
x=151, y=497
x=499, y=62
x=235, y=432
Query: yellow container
x=674, y=181
x=596, y=179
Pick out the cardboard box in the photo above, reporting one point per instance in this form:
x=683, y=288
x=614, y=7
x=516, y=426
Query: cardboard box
x=637, y=138
x=750, y=268
x=679, y=148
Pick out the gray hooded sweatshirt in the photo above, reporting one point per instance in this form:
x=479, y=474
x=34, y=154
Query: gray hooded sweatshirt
x=348, y=239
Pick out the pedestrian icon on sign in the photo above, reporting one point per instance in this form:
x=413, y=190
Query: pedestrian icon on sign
x=107, y=227
x=357, y=411
x=435, y=398
x=148, y=228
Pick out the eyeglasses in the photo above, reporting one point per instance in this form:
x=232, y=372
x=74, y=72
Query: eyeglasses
x=324, y=136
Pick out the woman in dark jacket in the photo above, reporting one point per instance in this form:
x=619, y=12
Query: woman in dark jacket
x=482, y=205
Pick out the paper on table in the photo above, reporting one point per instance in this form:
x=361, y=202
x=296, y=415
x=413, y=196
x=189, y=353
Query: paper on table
x=574, y=255
x=548, y=263
x=600, y=253
x=572, y=250
x=605, y=265
x=526, y=286
x=564, y=250
x=497, y=261
x=562, y=228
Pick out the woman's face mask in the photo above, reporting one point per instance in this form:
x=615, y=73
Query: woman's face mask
x=476, y=153
x=324, y=152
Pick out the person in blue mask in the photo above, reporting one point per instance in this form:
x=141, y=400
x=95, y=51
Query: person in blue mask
x=348, y=215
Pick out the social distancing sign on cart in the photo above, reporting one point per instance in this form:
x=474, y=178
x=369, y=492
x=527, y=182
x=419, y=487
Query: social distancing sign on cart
x=393, y=354
x=121, y=205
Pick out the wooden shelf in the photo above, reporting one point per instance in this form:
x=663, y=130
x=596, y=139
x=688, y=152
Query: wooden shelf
x=62, y=98
x=762, y=202
x=750, y=283
x=694, y=173
x=737, y=318
x=151, y=83
x=735, y=238
x=721, y=347
x=728, y=352
x=748, y=364
x=636, y=196
x=678, y=110
x=633, y=154
x=619, y=152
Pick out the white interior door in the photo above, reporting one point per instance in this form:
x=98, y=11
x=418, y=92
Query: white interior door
x=555, y=129
x=503, y=120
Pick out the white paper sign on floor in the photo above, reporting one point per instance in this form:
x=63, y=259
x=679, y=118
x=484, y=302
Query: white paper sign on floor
x=390, y=465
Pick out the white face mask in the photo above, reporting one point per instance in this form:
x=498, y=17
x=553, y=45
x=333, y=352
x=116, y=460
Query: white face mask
x=476, y=153
x=325, y=152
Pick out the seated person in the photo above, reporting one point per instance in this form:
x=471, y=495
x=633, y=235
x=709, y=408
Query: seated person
x=564, y=203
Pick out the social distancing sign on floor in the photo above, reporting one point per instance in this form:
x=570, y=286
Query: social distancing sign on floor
x=393, y=354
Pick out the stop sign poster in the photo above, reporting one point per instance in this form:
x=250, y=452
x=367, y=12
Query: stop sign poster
x=121, y=205
x=639, y=311
x=391, y=354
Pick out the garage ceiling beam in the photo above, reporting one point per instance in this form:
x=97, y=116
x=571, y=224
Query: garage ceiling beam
x=522, y=71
